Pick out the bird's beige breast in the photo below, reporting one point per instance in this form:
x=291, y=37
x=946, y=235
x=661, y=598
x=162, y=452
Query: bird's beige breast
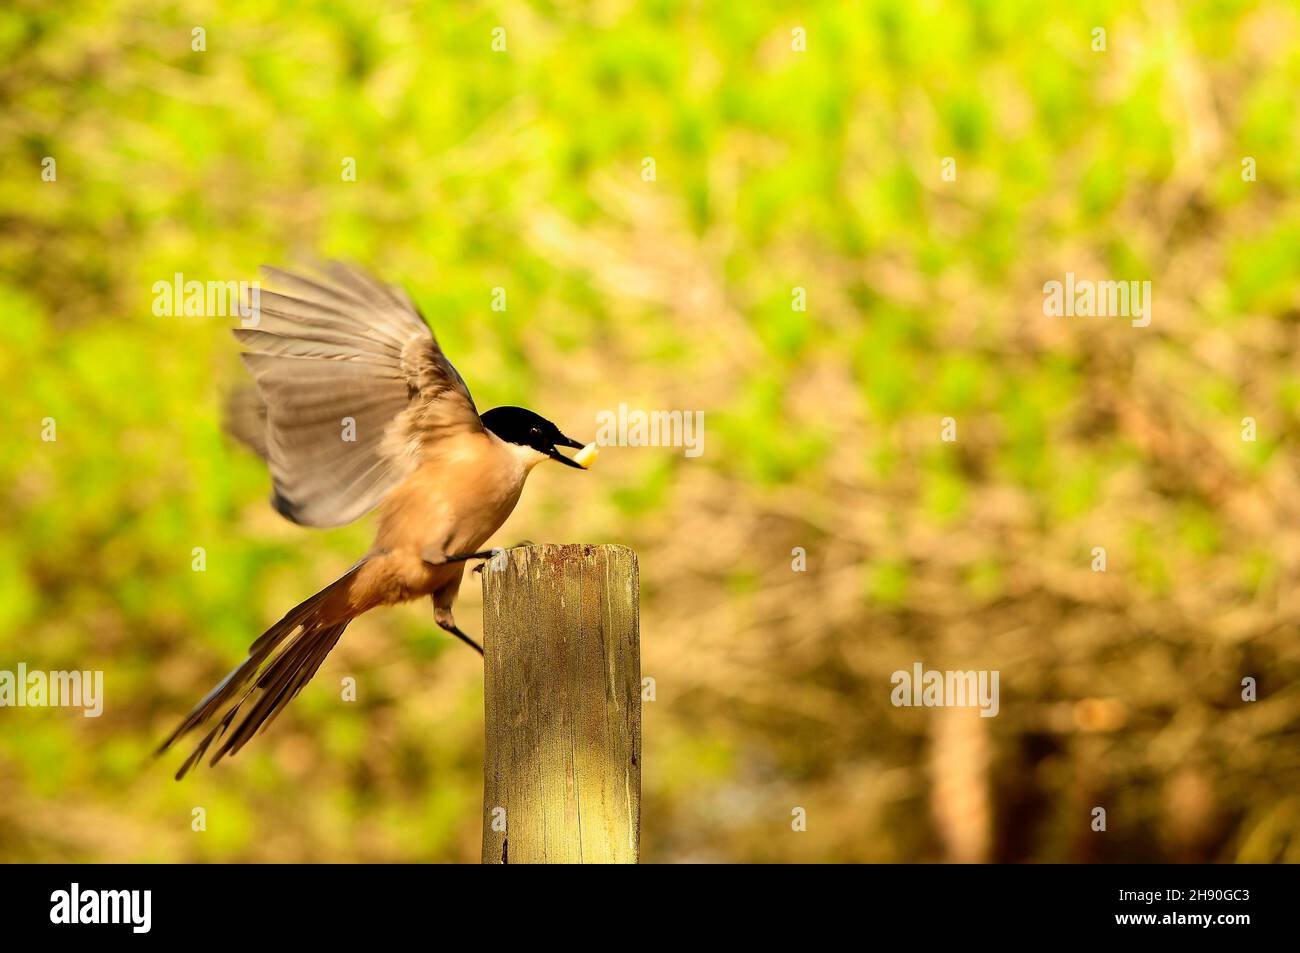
x=455, y=501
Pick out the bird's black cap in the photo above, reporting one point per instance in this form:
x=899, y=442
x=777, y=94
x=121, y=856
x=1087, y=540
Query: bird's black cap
x=520, y=426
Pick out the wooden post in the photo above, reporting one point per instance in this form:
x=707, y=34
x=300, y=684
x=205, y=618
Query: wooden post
x=562, y=692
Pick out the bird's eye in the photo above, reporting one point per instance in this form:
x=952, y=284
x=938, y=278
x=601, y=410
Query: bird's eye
x=536, y=432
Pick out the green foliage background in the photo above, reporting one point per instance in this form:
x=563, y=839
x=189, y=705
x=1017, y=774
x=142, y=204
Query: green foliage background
x=775, y=169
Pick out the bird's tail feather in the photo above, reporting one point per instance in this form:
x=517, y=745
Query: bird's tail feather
x=257, y=690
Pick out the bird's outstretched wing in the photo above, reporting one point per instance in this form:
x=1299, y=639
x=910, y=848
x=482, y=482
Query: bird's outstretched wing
x=352, y=392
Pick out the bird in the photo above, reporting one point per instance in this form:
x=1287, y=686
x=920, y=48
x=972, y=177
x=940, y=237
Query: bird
x=354, y=406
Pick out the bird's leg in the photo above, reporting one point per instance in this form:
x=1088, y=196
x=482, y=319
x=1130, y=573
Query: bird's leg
x=436, y=558
x=485, y=554
x=497, y=552
x=447, y=622
x=461, y=557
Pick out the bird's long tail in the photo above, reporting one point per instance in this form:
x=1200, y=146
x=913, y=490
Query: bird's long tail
x=251, y=696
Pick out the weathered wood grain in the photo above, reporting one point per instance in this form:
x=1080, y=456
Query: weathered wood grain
x=562, y=692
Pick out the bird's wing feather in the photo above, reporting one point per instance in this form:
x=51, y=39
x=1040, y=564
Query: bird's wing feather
x=335, y=347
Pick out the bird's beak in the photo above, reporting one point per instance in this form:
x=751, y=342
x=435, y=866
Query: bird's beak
x=567, y=461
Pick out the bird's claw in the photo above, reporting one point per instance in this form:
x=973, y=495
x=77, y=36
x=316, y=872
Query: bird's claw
x=500, y=552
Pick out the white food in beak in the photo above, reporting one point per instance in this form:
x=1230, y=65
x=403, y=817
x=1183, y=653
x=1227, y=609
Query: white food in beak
x=586, y=456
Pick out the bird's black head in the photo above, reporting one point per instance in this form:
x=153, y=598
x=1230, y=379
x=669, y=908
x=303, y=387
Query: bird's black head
x=527, y=429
